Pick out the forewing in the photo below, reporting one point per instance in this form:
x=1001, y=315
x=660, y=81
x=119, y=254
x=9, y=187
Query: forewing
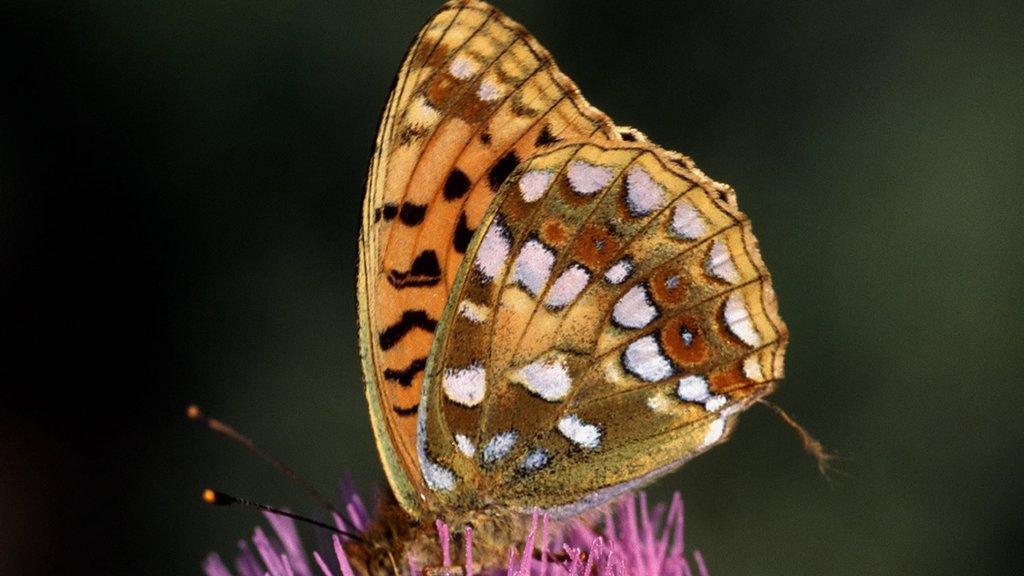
x=608, y=325
x=475, y=95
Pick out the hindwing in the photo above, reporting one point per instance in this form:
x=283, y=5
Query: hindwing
x=609, y=323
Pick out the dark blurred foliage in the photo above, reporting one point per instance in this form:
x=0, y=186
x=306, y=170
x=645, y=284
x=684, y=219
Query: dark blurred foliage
x=180, y=185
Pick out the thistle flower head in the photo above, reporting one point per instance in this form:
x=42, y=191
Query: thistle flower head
x=630, y=538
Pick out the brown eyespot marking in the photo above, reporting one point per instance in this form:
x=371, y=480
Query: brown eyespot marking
x=596, y=247
x=668, y=287
x=683, y=342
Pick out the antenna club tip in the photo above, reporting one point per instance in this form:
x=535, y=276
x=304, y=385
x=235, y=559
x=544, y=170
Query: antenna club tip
x=193, y=412
x=215, y=498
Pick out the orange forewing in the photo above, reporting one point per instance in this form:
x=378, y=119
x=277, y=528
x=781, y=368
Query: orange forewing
x=476, y=95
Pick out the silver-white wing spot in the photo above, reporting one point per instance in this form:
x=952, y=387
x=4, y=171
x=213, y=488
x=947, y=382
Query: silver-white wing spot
x=619, y=272
x=438, y=477
x=499, y=446
x=465, y=386
x=493, y=252
x=634, y=309
x=687, y=221
x=586, y=178
x=488, y=91
x=737, y=318
x=645, y=360
x=719, y=263
x=474, y=312
x=462, y=67
x=752, y=368
x=643, y=194
x=465, y=445
x=579, y=432
x=533, y=266
x=693, y=389
x=535, y=460
x=715, y=431
x=568, y=286
x=715, y=403
x=547, y=378
x=533, y=184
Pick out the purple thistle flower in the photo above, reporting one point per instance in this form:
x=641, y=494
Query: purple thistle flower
x=630, y=538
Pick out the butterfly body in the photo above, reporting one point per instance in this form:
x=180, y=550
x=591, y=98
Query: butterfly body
x=395, y=537
x=553, y=310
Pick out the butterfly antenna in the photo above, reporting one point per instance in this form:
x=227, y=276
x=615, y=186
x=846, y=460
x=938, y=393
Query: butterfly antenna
x=216, y=498
x=196, y=414
x=811, y=444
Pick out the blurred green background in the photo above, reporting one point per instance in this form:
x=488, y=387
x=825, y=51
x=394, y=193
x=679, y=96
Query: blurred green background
x=180, y=185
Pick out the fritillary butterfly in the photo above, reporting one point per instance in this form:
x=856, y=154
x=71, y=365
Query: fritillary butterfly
x=553, y=310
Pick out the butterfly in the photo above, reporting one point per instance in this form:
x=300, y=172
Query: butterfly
x=552, y=309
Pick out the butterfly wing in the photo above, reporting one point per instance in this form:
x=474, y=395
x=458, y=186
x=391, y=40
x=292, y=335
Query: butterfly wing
x=475, y=95
x=609, y=323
